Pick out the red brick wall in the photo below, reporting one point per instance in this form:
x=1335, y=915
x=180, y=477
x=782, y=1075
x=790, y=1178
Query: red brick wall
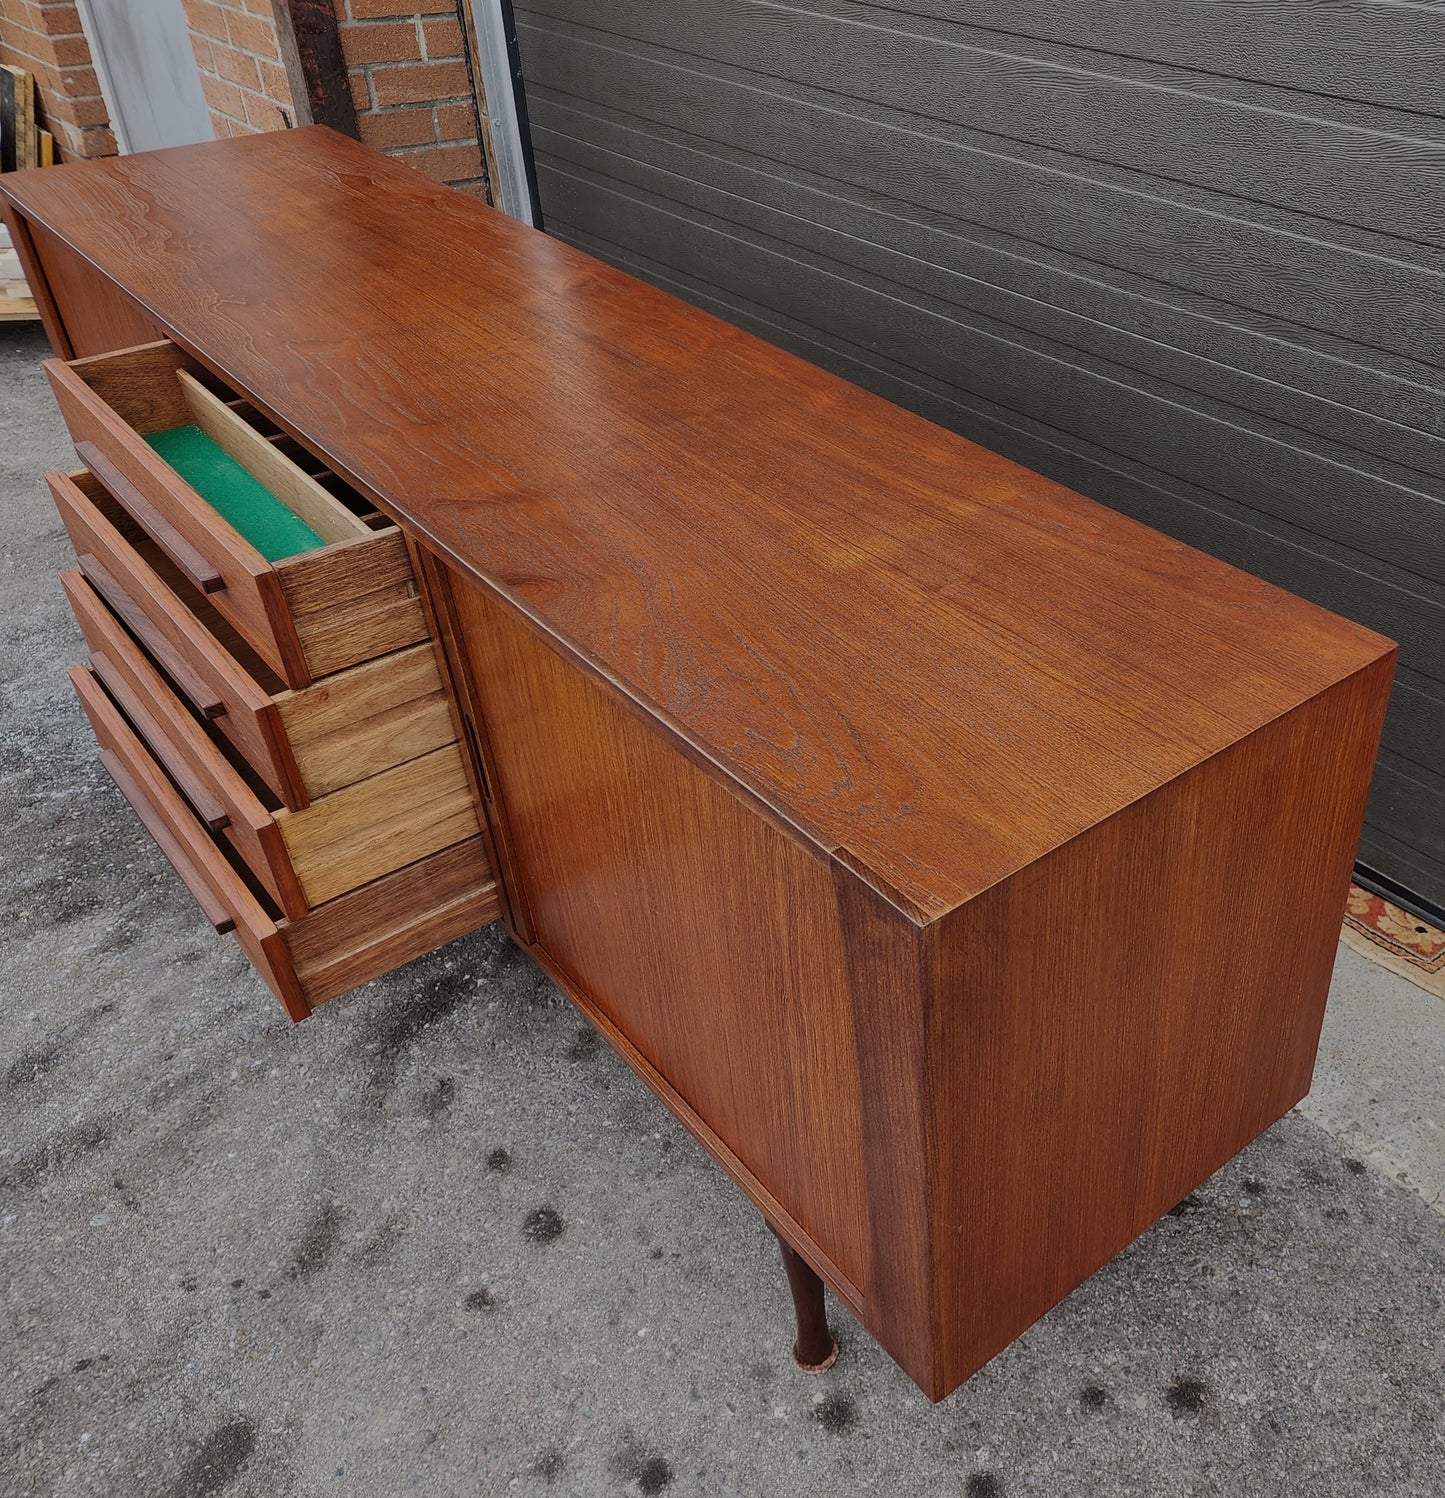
x=241, y=73
x=44, y=38
x=407, y=61
x=412, y=85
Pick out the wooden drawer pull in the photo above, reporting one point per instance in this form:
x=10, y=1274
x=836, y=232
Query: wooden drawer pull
x=186, y=871
x=197, y=693
x=145, y=514
x=192, y=787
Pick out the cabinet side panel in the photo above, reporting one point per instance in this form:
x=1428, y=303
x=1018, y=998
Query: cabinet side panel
x=35, y=279
x=96, y=315
x=1115, y=1022
x=696, y=929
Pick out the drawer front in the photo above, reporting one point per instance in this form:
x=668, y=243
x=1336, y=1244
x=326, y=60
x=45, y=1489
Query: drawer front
x=358, y=833
x=356, y=723
x=215, y=789
x=215, y=684
x=351, y=603
x=303, y=743
x=376, y=928
x=212, y=556
x=349, y=599
x=380, y=824
x=349, y=940
x=218, y=888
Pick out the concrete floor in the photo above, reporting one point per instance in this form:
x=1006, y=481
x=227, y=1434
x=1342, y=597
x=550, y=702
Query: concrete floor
x=438, y=1240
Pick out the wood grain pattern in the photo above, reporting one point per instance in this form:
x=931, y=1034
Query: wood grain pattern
x=337, y=945
x=891, y=982
x=219, y=794
x=138, y=384
x=351, y=602
x=378, y=927
x=1179, y=257
x=458, y=674
x=306, y=615
x=175, y=853
x=1033, y=1079
x=774, y=1213
x=889, y=808
x=376, y=825
x=992, y=352
x=649, y=201
x=358, y=722
x=186, y=558
x=206, y=866
x=1144, y=1061
x=349, y=940
x=93, y=312
x=372, y=825
x=112, y=402
x=206, y=703
x=304, y=743
x=155, y=732
x=370, y=573
x=607, y=439
x=700, y=932
x=35, y=279
x=310, y=43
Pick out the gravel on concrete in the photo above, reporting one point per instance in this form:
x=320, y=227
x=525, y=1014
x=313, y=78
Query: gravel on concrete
x=438, y=1239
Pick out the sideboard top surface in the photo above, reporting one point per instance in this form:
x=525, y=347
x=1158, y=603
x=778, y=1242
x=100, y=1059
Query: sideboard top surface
x=922, y=657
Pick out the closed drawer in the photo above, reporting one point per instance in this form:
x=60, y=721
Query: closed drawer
x=350, y=597
x=346, y=941
x=301, y=859
x=302, y=743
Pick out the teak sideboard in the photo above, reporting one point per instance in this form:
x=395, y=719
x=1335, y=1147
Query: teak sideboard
x=960, y=861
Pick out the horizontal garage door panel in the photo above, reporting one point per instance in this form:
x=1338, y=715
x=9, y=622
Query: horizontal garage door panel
x=1322, y=387
x=1263, y=144
x=1213, y=303
x=1122, y=410
x=1344, y=50
x=1367, y=289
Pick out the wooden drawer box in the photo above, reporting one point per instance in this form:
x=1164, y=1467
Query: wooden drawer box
x=306, y=615
x=302, y=743
x=343, y=942
x=300, y=858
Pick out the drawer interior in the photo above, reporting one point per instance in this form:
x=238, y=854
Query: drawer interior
x=273, y=492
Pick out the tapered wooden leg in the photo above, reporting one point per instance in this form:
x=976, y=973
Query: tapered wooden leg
x=815, y=1348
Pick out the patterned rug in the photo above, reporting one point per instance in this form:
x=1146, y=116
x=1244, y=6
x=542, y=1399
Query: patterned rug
x=1398, y=940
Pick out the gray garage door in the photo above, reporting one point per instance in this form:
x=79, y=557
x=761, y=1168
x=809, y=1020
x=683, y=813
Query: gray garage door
x=1187, y=256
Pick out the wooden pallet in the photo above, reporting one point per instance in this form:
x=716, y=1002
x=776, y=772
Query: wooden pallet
x=20, y=308
x=21, y=147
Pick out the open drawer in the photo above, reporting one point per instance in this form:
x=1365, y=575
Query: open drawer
x=302, y=743
x=350, y=597
x=300, y=858
x=346, y=941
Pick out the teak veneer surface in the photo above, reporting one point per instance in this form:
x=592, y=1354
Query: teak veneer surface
x=931, y=932
x=927, y=660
